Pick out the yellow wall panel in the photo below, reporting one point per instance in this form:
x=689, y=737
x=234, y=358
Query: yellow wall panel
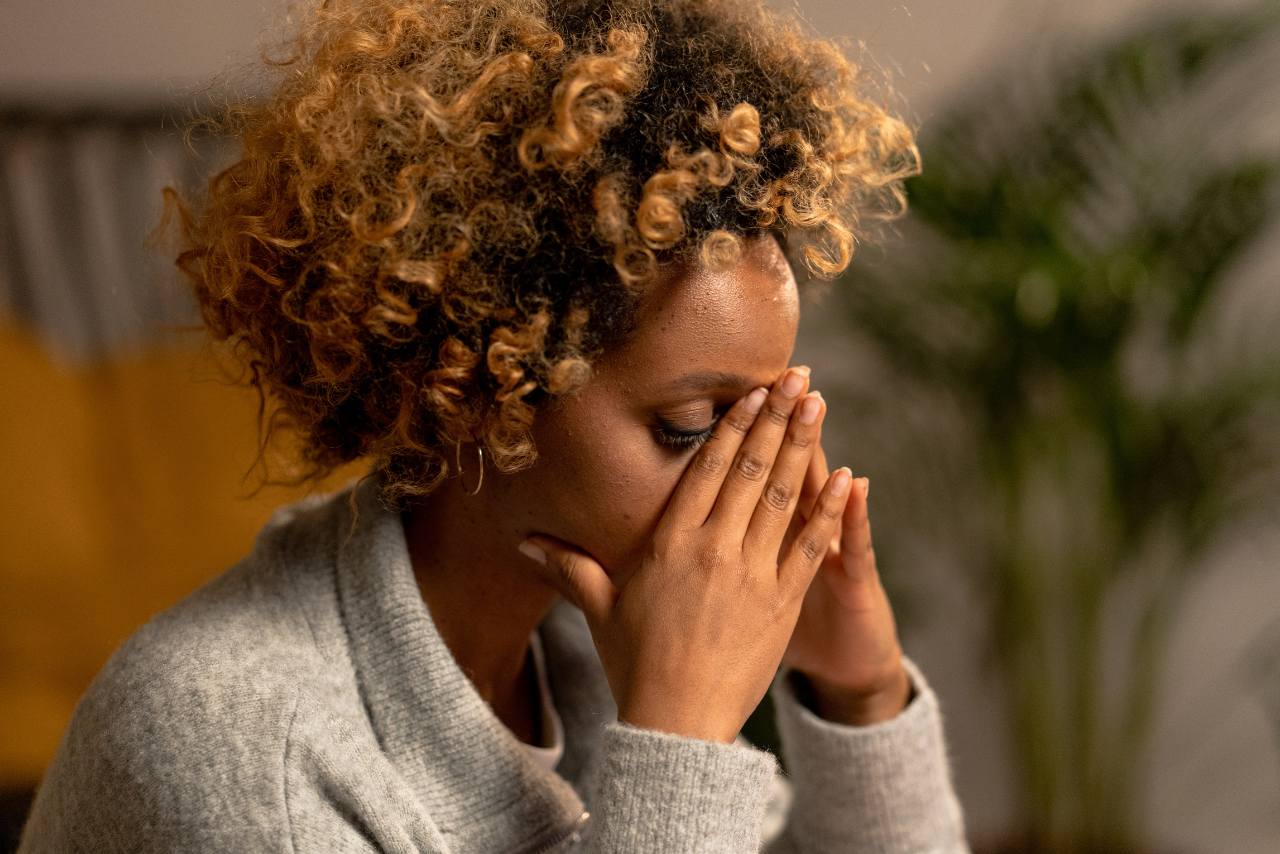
x=122, y=488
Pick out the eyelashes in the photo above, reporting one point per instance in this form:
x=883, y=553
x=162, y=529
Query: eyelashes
x=670, y=436
x=683, y=440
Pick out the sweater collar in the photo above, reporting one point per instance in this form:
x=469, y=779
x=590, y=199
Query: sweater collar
x=471, y=774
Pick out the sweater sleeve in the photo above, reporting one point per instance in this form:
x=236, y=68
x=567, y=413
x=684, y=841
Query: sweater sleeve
x=662, y=793
x=880, y=789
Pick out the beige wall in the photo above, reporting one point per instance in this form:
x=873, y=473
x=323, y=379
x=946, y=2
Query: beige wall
x=78, y=50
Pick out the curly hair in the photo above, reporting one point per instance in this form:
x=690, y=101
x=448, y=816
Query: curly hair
x=446, y=208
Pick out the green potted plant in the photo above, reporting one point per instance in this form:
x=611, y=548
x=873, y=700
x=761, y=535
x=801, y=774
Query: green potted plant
x=1057, y=294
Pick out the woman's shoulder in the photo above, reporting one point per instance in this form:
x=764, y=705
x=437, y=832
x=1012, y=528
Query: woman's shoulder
x=198, y=706
x=244, y=639
x=272, y=613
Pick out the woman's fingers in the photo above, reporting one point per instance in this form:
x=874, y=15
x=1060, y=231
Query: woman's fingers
x=577, y=576
x=696, y=493
x=748, y=474
x=857, y=557
x=777, y=503
x=814, y=479
x=806, y=553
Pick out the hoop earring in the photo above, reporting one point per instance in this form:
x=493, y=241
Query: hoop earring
x=457, y=453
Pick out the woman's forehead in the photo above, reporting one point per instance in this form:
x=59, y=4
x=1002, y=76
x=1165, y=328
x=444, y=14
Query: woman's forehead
x=694, y=321
x=686, y=287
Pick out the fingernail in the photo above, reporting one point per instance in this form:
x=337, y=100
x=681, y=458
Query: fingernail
x=753, y=401
x=866, y=487
x=531, y=551
x=810, y=408
x=840, y=482
x=794, y=382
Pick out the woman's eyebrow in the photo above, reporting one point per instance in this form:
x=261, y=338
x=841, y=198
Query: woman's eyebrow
x=706, y=380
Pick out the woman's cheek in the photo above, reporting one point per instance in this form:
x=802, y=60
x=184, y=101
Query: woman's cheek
x=630, y=502
x=652, y=497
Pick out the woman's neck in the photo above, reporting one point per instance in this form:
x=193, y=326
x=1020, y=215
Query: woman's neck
x=482, y=600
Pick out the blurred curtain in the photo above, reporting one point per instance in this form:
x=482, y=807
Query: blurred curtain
x=78, y=198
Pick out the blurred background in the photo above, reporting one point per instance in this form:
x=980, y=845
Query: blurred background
x=1061, y=372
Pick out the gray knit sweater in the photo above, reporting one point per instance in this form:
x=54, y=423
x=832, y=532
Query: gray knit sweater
x=304, y=702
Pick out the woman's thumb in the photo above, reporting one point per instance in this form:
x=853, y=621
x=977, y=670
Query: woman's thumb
x=576, y=575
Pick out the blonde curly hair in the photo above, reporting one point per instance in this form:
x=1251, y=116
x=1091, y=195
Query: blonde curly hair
x=446, y=208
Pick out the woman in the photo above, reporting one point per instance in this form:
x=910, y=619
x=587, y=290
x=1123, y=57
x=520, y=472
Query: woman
x=530, y=259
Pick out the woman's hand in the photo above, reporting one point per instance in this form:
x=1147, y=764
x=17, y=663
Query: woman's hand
x=693, y=638
x=845, y=643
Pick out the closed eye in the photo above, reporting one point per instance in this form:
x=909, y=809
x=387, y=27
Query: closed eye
x=681, y=440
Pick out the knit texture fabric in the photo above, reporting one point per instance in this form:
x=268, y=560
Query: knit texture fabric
x=304, y=701
x=840, y=772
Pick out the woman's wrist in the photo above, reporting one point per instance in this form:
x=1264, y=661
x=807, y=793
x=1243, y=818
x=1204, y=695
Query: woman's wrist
x=854, y=707
x=686, y=714
x=703, y=728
